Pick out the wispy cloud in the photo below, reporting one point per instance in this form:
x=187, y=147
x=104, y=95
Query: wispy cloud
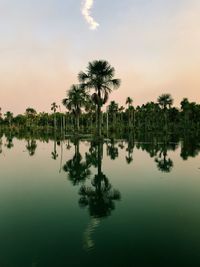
x=86, y=7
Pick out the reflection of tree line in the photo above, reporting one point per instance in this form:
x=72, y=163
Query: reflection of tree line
x=157, y=146
x=98, y=196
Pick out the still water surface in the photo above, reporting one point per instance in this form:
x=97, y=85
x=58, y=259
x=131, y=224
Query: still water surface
x=115, y=203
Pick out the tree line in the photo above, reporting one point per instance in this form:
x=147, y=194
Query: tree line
x=84, y=103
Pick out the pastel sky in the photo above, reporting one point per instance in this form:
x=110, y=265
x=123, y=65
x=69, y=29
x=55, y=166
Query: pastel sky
x=154, y=46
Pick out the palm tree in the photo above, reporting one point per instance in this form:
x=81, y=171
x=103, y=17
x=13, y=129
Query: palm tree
x=112, y=110
x=185, y=108
x=54, y=108
x=30, y=113
x=129, y=102
x=76, y=99
x=90, y=108
x=165, y=101
x=121, y=110
x=100, y=77
x=9, y=117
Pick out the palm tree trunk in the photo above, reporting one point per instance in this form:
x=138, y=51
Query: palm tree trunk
x=99, y=120
x=165, y=115
x=129, y=117
x=107, y=123
x=77, y=123
x=64, y=123
x=99, y=113
x=54, y=121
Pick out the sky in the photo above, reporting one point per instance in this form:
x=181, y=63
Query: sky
x=152, y=44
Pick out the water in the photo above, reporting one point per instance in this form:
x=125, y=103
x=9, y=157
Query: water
x=115, y=203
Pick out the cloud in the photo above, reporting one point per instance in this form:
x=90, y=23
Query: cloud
x=87, y=5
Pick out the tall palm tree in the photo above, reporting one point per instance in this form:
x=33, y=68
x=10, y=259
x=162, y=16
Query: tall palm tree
x=75, y=101
x=9, y=117
x=121, y=110
x=185, y=108
x=112, y=110
x=129, y=102
x=90, y=108
x=99, y=77
x=30, y=114
x=165, y=101
x=54, y=108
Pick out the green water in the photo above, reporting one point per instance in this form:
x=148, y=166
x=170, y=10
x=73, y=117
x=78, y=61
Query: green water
x=114, y=203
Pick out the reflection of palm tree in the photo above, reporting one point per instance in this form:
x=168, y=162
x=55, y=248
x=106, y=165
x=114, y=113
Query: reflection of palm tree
x=87, y=236
x=164, y=164
x=68, y=146
x=31, y=146
x=78, y=171
x=112, y=150
x=1, y=150
x=121, y=144
x=92, y=156
x=130, y=147
x=54, y=153
x=9, y=141
x=190, y=147
x=99, y=198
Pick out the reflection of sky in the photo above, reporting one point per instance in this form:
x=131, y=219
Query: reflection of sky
x=43, y=44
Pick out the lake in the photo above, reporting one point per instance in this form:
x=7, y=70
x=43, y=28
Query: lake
x=119, y=202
